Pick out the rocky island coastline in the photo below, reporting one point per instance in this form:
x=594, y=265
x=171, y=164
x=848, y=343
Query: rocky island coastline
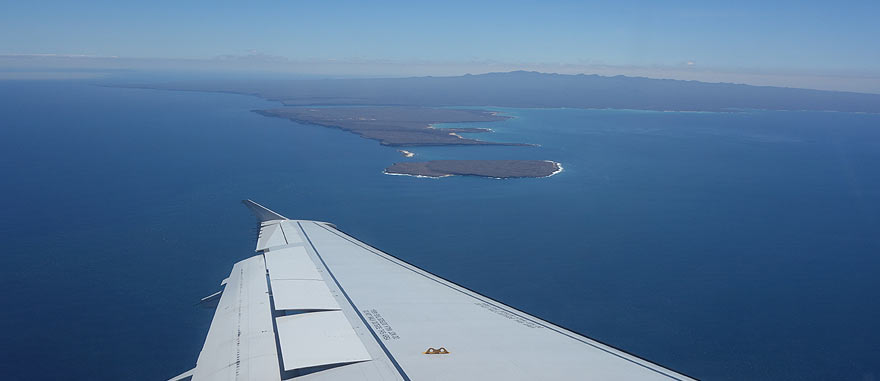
x=500, y=169
x=396, y=126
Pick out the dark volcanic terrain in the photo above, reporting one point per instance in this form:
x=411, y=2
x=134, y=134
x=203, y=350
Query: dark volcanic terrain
x=485, y=168
x=395, y=126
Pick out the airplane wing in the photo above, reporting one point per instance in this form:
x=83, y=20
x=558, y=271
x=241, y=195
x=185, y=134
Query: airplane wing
x=317, y=304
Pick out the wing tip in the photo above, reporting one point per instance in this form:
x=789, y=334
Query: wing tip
x=261, y=212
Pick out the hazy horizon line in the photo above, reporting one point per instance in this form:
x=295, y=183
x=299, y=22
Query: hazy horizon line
x=23, y=66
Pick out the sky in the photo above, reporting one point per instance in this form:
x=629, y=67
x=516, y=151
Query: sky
x=828, y=43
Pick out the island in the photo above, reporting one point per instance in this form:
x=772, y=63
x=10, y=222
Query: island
x=500, y=169
x=404, y=126
x=395, y=125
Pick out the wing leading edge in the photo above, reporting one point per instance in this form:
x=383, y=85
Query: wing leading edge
x=317, y=304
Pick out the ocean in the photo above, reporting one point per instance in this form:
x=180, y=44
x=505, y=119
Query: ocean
x=727, y=246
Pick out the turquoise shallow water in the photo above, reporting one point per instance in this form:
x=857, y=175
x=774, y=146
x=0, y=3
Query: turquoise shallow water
x=723, y=245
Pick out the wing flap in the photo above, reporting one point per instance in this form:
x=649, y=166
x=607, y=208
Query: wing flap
x=291, y=263
x=302, y=295
x=330, y=338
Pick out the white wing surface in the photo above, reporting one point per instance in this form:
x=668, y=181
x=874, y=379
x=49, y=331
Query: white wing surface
x=317, y=304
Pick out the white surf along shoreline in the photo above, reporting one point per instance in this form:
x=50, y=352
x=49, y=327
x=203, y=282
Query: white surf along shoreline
x=558, y=170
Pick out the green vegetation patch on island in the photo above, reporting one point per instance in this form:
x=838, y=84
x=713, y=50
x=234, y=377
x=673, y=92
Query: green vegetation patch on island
x=396, y=126
x=502, y=169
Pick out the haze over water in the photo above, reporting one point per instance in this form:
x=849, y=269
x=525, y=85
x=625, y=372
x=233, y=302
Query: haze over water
x=723, y=245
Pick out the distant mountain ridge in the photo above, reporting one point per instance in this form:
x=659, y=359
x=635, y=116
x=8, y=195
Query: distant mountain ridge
x=538, y=90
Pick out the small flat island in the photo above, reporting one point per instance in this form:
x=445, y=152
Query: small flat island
x=502, y=169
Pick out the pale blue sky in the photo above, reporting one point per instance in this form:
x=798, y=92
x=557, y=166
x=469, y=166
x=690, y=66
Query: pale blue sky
x=838, y=38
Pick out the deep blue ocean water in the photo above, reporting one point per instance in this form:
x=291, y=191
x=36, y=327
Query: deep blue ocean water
x=728, y=246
